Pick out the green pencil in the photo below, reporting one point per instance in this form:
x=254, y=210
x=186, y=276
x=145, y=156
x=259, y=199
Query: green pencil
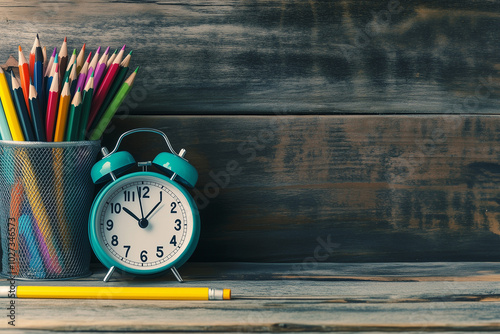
x=75, y=111
x=113, y=107
x=88, y=92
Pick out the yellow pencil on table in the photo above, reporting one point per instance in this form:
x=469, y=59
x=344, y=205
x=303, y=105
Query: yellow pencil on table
x=10, y=109
x=90, y=292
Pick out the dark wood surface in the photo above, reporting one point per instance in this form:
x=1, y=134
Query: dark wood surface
x=298, y=57
x=375, y=188
x=397, y=297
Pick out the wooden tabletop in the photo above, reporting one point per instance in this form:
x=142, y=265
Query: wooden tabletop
x=303, y=297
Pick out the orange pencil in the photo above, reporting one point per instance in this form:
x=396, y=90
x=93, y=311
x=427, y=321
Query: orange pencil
x=24, y=75
x=52, y=101
x=62, y=114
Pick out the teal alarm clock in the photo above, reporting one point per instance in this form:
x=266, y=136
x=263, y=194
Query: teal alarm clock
x=144, y=222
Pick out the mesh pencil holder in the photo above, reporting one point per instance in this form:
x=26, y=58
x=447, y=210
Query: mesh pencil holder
x=46, y=194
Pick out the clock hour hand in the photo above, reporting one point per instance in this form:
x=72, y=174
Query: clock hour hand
x=131, y=213
x=153, y=209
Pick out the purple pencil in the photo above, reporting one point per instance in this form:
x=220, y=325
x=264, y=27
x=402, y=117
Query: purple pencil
x=83, y=74
x=101, y=68
x=93, y=64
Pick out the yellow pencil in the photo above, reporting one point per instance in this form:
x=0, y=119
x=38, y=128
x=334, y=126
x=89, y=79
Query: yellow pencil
x=9, y=109
x=93, y=292
x=62, y=114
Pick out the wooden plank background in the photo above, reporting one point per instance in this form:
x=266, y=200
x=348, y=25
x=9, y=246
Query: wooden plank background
x=270, y=56
x=368, y=126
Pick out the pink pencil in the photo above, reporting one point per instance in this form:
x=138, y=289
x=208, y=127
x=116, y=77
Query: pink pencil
x=52, y=101
x=105, y=85
x=101, y=68
x=83, y=73
x=93, y=64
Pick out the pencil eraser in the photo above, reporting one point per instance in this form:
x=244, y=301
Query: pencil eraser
x=226, y=294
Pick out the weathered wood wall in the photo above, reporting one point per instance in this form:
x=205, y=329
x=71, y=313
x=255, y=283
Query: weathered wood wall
x=370, y=126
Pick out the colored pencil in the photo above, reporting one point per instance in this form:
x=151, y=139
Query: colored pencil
x=101, y=69
x=66, y=75
x=26, y=231
x=74, y=117
x=111, y=59
x=120, y=77
x=63, y=59
x=113, y=107
x=105, y=85
x=32, y=59
x=53, y=100
x=4, y=125
x=86, y=104
x=44, y=235
x=45, y=59
x=24, y=74
x=9, y=109
x=36, y=116
x=83, y=73
x=49, y=72
x=38, y=74
x=22, y=110
x=73, y=78
x=93, y=64
x=62, y=113
x=50, y=63
x=80, y=59
x=71, y=60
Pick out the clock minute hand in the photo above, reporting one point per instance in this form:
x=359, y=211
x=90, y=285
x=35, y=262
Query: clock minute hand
x=131, y=213
x=140, y=202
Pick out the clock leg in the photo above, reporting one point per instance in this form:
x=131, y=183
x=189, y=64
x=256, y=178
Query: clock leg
x=177, y=275
x=108, y=275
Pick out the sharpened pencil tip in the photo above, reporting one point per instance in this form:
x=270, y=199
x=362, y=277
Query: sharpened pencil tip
x=123, y=48
x=54, y=52
x=137, y=69
x=130, y=53
x=74, y=51
x=20, y=49
x=88, y=58
x=66, y=39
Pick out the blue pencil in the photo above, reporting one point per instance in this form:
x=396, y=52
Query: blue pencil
x=38, y=122
x=38, y=75
x=22, y=110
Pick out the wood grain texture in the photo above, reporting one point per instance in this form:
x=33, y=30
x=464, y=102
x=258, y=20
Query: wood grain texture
x=337, y=188
x=264, y=302
x=270, y=56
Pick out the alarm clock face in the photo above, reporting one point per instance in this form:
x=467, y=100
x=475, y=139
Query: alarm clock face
x=144, y=223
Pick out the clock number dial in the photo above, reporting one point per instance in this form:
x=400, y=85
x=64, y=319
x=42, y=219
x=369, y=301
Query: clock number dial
x=178, y=223
x=145, y=224
x=128, y=249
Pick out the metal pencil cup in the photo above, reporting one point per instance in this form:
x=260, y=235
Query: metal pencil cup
x=46, y=193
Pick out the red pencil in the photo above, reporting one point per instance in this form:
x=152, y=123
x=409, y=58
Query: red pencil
x=52, y=101
x=32, y=59
x=24, y=75
x=105, y=86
